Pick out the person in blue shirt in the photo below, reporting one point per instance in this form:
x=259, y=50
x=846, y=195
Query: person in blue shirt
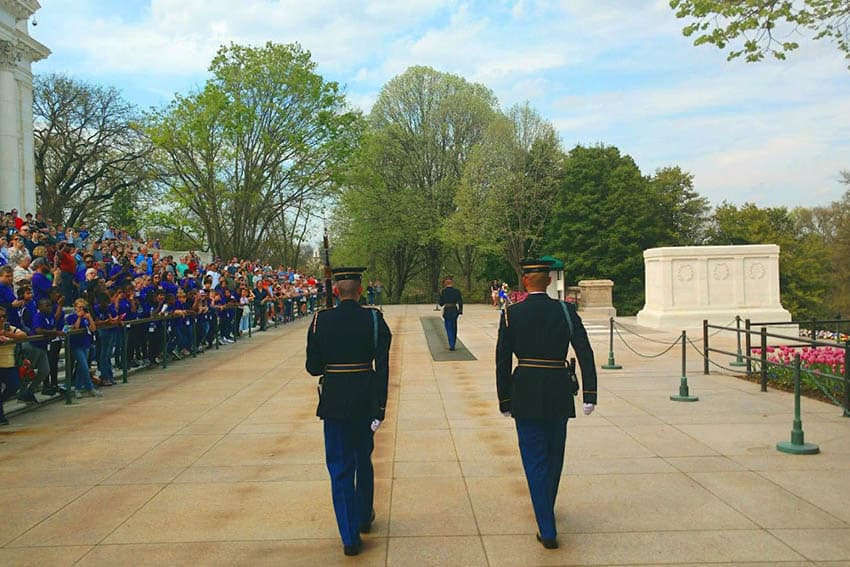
x=184, y=325
x=127, y=311
x=36, y=356
x=8, y=301
x=108, y=323
x=41, y=283
x=48, y=322
x=156, y=301
x=82, y=319
x=168, y=285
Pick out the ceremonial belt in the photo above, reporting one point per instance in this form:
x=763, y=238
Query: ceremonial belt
x=348, y=367
x=541, y=363
x=450, y=305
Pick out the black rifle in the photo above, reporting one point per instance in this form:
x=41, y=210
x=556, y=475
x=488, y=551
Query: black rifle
x=329, y=290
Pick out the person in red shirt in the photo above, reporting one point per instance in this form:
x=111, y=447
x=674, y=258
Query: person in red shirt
x=68, y=268
x=19, y=222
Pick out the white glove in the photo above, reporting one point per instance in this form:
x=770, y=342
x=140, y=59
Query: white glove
x=507, y=414
x=588, y=408
x=376, y=423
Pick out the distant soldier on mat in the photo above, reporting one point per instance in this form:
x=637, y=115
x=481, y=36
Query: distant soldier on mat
x=451, y=301
x=539, y=392
x=342, y=344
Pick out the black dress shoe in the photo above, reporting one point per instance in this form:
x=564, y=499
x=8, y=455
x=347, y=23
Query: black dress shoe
x=548, y=543
x=367, y=527
x=352, y=549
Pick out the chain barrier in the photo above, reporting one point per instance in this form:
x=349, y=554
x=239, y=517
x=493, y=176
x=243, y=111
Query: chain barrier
x=648, y=339
x=665, y=351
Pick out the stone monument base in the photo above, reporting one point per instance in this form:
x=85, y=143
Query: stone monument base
x=597, y=299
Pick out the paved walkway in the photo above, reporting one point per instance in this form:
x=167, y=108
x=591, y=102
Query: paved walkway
x=218, y=461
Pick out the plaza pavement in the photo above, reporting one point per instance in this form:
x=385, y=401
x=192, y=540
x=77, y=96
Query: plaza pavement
x=219, y=461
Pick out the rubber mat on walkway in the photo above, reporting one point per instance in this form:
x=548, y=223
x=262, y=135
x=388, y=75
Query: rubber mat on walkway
x=435, y=333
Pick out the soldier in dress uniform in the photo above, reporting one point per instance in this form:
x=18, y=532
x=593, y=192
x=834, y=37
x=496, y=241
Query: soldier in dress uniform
x=451, y=301
x=342, y=345
x=539, y=392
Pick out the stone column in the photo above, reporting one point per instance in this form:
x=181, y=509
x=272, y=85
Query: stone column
x=10, y=130
x=18, y=51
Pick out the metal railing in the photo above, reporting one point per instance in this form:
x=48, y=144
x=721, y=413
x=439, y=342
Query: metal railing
x=200, y=329
x=818, y=377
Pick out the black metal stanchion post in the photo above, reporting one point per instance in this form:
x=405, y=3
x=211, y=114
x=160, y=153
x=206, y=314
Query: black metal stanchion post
x=250, y=318
x=164, y=324
x=748, y=342
x=612, y=365
x=797, y=445
x=125, y=363
x=705, y=346
x=739, y=358
x=684, y=394
x=69, y=393
x=194, y=327
x=847, y=379
x=763, y=358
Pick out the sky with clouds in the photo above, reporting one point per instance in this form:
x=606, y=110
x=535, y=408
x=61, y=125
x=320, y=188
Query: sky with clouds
x=617, y=72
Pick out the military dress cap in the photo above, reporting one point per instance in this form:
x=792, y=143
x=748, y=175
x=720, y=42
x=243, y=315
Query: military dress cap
x=532, y=265
x=347, y=273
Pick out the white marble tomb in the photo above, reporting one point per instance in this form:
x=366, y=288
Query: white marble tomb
x=687, y=284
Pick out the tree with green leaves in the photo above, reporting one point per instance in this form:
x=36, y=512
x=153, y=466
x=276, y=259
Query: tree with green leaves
x=755, y=28
x=684, y=211
x=265, y=136
x=509, y=186
x=428, y=123
x=804, y=262
x=379, y=220
x=89, y=150
x=605, y=215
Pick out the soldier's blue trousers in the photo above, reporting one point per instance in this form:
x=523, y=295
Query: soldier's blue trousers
x=348, y=454
x=451, y=330
x=541, y=445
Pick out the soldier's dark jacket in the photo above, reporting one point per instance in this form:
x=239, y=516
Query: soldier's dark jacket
x=536, y=328
x=344, y=335
x=453, y=300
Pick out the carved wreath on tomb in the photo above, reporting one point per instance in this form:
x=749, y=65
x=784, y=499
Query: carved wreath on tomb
x=721, y=271
x=685, y=273
x=756, y=271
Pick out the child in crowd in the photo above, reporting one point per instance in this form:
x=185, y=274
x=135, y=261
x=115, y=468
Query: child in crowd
x=48, y=322
x=245, y=300
x=82, y=318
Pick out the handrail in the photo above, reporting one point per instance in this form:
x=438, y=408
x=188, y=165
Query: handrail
x=193, y=339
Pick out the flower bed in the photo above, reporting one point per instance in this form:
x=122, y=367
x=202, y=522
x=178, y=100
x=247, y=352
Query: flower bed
x=826, y=360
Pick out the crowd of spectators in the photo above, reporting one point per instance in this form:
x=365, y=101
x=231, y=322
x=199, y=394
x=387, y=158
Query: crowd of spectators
x=56, y=280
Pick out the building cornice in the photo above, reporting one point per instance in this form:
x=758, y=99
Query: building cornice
x=21, y=9
x=16, y=45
